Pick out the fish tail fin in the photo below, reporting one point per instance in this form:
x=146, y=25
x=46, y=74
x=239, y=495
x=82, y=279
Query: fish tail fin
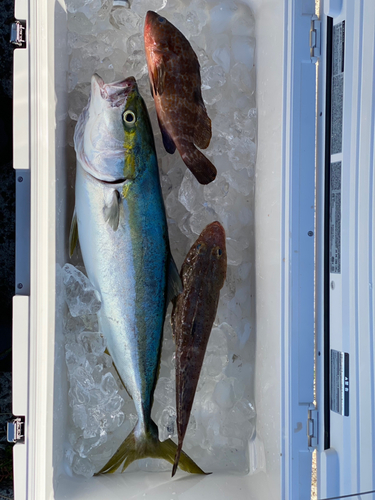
x=177, y=458
x=147, y=445
x=200, y=166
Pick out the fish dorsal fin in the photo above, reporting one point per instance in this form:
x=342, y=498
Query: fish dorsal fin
x=73, y=234
x=169, y=145
x=158, y=78
x=202, y=131
x=112, y=210
x=174, y=281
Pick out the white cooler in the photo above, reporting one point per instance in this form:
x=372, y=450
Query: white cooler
x=314, y=230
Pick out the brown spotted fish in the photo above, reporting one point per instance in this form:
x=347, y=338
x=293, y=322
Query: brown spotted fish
x=175, y=80
x=202, y=274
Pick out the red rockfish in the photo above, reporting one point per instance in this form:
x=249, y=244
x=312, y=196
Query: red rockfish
x=175, y=80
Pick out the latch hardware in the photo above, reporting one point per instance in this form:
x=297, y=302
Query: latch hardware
x=312, y=427
x=315, y=39
x=18, y=34
x=16, y=430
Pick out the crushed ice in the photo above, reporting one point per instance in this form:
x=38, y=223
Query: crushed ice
x=107, y=37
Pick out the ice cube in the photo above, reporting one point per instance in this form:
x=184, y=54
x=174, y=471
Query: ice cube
x=83, y=378
x=106, y=360
x=125, y=20
x=78, y=23
x=92, y=342
x=93, y=424
x=91, y=322
x=216, y=191
x=240, y=181
x=239, y=420
x=114, y=405
x=69, y=456
x=201, y=54
x=221, y=16
x=73, y=326
x=97, y=373
x=105, y=10
x=234, y=252
x=83, y=466
x=246, y=122
x=108, y=385
x=141, y=7
x=80, y=416
x=91, y=362
x=77, y=41
x=84, y=447
x=173, y=206
x=221, y=56
x=77, y=395
x=190, y=192
x=243, y=21
x=80, y=295
x=74, y=356
x=243, y=154
x=243, y=48
x=199, y=220
x=212, y=366
x=106, y=70
x=224, y=394
x=165, y=391
x=193, y=26
x=242, y=78
x=213, y=77
x=167, y=423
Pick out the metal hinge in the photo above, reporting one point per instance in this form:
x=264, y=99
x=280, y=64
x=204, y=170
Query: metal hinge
x=18, y=34
x=312, y=428
x=315, y=39
x=16, y=430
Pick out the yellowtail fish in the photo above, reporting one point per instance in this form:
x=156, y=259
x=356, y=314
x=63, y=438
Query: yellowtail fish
x=203, y=274
x=122, y=230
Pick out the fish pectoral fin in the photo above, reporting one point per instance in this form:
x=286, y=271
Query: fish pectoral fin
x=112, y=210
x=158, y=78
x=204, y=171
x=202, y=131
x=118, y=374
x=73, y=234
x=174, y=281
x=169, y=145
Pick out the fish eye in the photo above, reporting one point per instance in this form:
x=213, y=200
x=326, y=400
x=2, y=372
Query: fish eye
x=161, y=19
x=129, y=117
x=217, y=251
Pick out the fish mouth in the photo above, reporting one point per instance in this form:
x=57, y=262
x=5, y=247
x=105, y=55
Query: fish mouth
x=151, y=17
x=116, y=93
x=214, y=234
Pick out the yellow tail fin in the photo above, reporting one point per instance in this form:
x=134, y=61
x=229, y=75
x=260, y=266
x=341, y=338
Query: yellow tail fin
x=146, y=446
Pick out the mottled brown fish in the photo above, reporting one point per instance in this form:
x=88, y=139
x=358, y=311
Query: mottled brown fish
x=202, y=274
x=175, y=80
